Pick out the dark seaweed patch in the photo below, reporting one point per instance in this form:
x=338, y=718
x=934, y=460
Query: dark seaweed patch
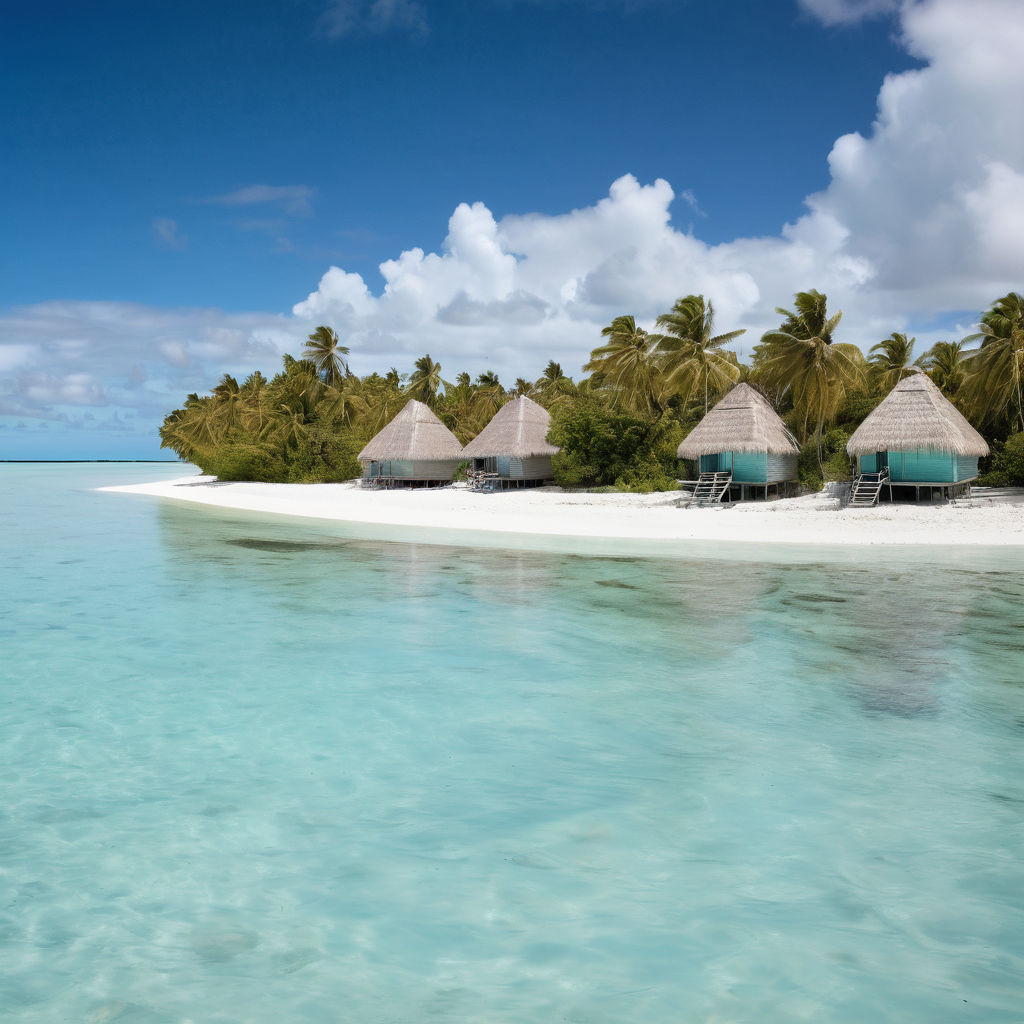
x=284, y=545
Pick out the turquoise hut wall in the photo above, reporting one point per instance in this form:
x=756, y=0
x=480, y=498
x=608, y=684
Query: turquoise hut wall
x=533, y=467
x=412, y=470
x=751, y=467
x=924, y=466
x=918, y=465
x=782, y=467
x=966, y=467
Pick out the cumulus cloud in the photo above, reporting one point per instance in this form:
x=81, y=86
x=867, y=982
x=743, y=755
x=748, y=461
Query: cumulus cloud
x=64, y=389
x=345, y=17
x=167, y=236
x=845, y=12
x=920, y=228
x=123, y=367
x=923, y=217
x=293, y=199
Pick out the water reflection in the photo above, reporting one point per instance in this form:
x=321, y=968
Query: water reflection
x=272, y=767
x=891, y=636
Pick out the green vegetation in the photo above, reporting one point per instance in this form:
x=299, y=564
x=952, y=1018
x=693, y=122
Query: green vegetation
x=608, y=447
x=1006, y=463
x=620, y=426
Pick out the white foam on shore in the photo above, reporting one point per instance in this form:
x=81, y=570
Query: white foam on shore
x=548, y=512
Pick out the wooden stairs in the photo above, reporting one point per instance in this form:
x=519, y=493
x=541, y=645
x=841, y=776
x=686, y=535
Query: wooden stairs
x=866, y=488
x=710, y=489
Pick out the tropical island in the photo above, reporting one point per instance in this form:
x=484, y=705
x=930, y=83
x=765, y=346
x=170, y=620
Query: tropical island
x=621, y=426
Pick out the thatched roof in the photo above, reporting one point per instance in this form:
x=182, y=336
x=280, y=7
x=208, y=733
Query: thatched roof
x=743, y=421
x=519, y=428
x=916, y=414
x=415, y=433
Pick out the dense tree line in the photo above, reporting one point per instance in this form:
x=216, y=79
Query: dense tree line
x=618, y=426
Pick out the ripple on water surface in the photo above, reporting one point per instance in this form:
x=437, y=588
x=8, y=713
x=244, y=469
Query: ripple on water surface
x=264, y=771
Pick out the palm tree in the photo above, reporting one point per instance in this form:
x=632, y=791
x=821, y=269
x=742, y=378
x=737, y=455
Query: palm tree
x=193, y=429
x=523, y=388
x=426, y=382
x=626, y=363
x=325, y=352
x=995, y=385
x=944, y=363
x=893, y=360
x=801, y=357
x=254, y=391
x=229, y=401
x=377, y=400
x=488, y=394
x=692, y=357
x=177, y=433
x=290, y=423
x=459, y=405
x=553, y=385
x=340, y=405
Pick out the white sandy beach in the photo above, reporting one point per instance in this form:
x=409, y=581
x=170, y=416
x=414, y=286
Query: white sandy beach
x=812, y=520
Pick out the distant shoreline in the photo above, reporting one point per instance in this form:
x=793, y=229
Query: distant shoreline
x=90, y=462
x=813, y=520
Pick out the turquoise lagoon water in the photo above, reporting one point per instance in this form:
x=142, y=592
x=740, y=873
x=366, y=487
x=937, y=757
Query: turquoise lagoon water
x=261, y=770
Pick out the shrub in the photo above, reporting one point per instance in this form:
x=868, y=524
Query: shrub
x=603, y=447
x=1006, y=463
x=645, y=475
x=835, y=457
x=808, y=470
x=323, y=456
x=243, y=460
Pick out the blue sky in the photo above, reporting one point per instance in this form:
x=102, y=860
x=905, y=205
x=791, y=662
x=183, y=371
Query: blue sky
x=181, y=177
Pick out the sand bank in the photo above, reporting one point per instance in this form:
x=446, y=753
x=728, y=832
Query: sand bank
x=814, y=520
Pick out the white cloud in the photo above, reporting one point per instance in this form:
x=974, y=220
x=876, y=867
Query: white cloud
x=167, y=236
x=923, y=217
x=293, y=199
x=13, y=355
x=64, y=389
x=135, y=363
x=845, y=12
x=345, y=17
x=920, y=228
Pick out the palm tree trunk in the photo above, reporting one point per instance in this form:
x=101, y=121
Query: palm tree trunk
x=1020, y=407
x=817, y=434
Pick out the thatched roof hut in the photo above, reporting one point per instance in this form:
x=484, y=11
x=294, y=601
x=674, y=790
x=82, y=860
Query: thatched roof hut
x=414, y=435
x=917, y=416
x=743, y=421
x=518, y=429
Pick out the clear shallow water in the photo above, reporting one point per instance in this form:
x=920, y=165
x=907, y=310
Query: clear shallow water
x=253, y=770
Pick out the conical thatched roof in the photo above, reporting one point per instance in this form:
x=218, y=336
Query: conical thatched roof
x=415, y=433
x=743, y=421
x=519, y=428
x=916, y=414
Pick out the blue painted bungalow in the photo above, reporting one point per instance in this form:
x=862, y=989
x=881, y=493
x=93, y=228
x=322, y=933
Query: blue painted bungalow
x=916, y=438
x=744, y=437
x=513, y=450
x=414, y=450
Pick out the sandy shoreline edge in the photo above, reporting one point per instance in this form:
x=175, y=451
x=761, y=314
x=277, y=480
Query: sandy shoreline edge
x=811, y=520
